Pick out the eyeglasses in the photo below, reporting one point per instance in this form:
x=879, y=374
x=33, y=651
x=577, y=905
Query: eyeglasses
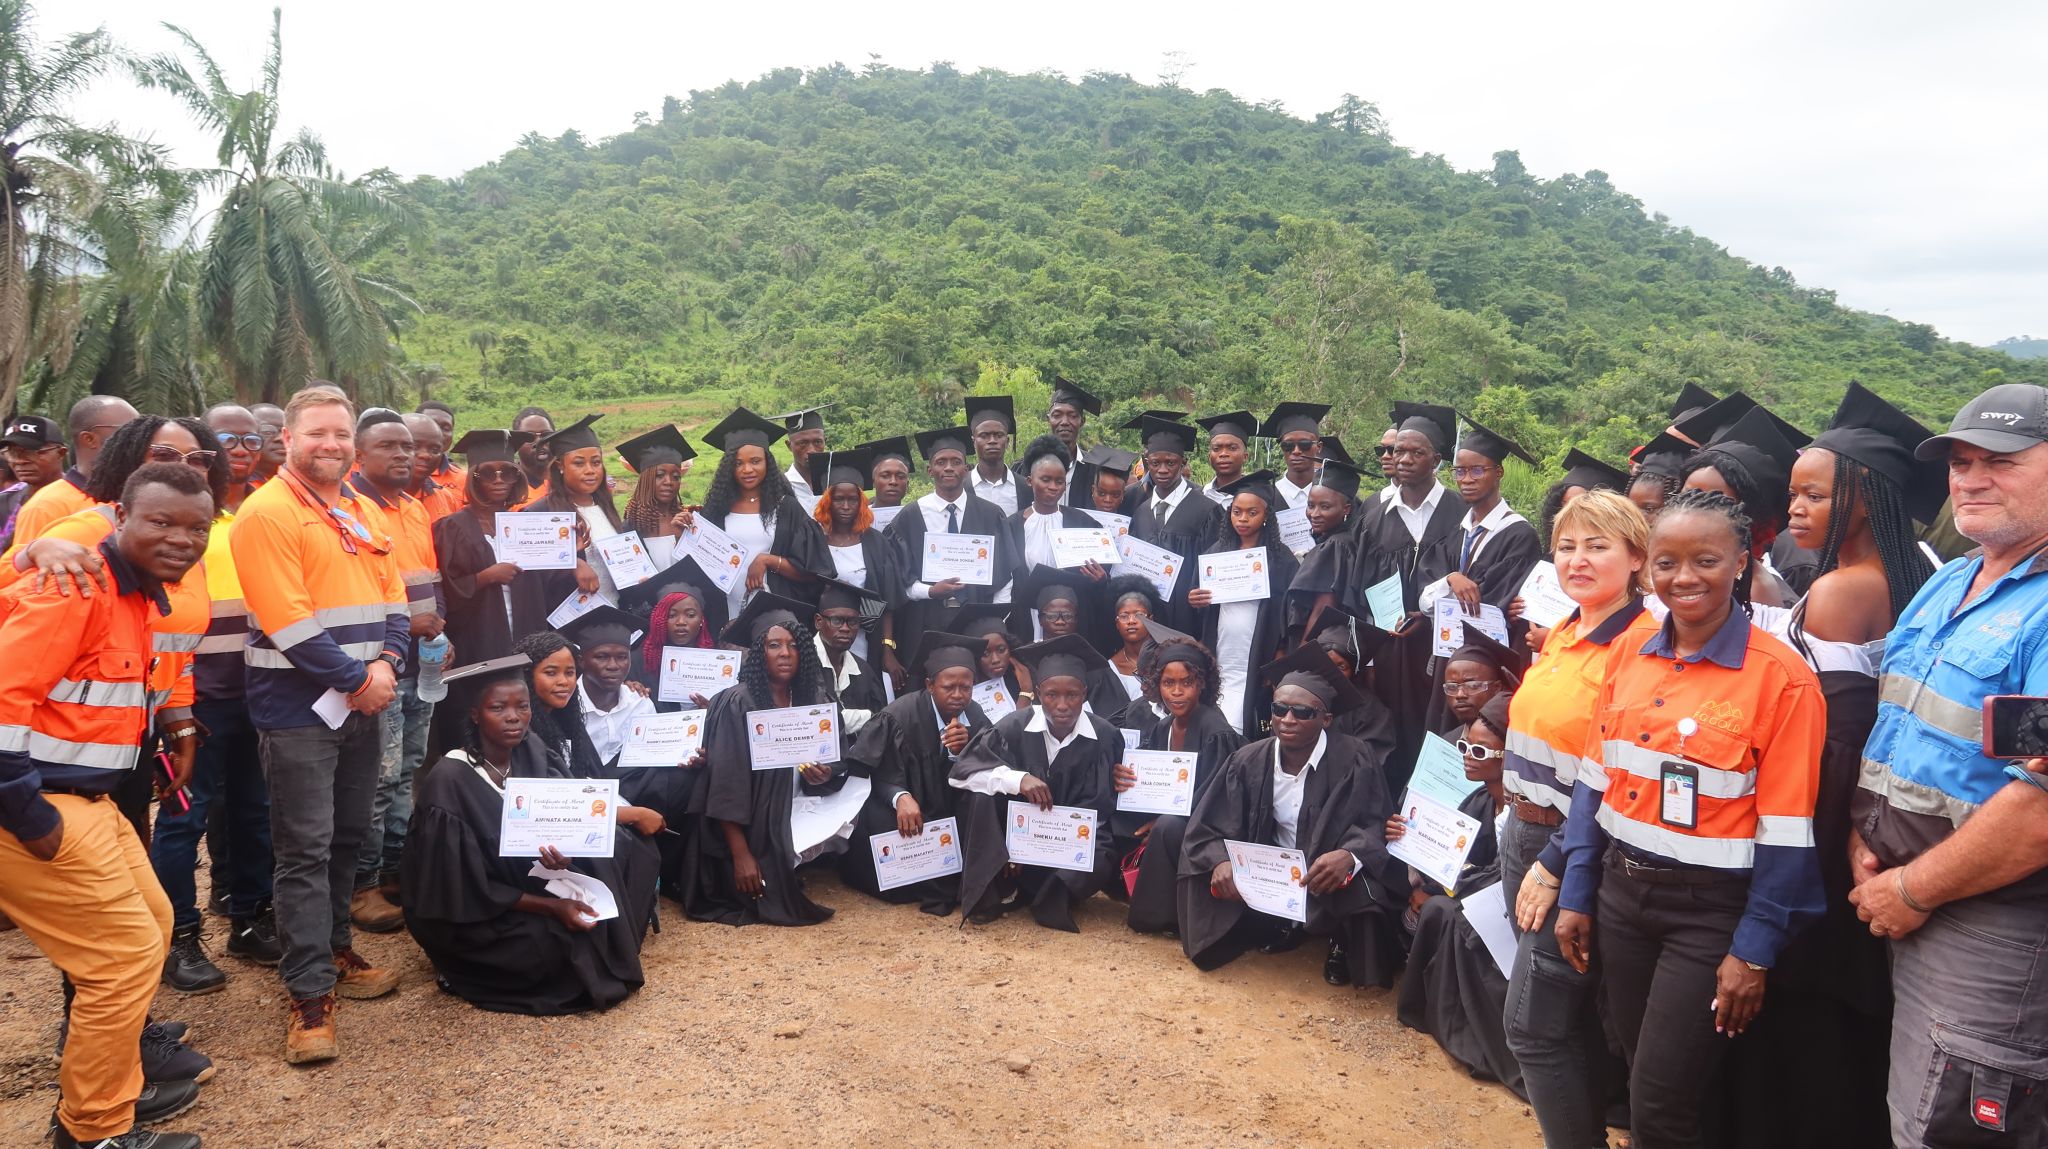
x=228, y=439
x=1478, y=753
x=1055, y=616
x=161, y=453
x=1470, y=472
x=840, y=620
x=1298, y=446
x=1457, y=688
x=12, y=450
x=1282, y=710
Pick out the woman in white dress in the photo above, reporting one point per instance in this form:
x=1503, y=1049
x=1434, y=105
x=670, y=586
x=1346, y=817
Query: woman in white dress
x=1248, y=634
x=751, y=501
x=862, y=555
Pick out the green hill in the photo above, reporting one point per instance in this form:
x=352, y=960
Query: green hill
x=2023, y=347
x=887, y=238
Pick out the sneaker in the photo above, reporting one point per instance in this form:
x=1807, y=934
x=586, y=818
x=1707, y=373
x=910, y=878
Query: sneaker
x=164, y=1058
x=217, y=903
x=186, y=968
x=163, y=1100
x=178, y=1031
x=309, y=1033
x=370, y=911
x=255, y=939
x=133, y=1139
x=354, y=977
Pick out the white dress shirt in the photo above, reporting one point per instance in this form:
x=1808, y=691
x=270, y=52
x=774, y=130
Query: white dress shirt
x=1295, y=496
x=1288, y=790
x=841, y=679
x=801, y=485
x=1416, y=518
x=1003, y=493
x=933, y=508
x=1008, y=779
x=608, y=727
x=1173, y=500
x=1220, y=498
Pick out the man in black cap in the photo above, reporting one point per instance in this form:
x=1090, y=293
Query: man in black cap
x=991, y=421
x=1230, y=440
x=806, y=437
x=850, y=679
x=949, y=508
x=1498, y=548
x=1065, y=417
x=1297, y=428
x=891, y=476
x=1172, y=514
x=34, y=449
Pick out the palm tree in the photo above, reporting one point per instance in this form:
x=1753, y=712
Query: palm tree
x=278, y=299
x=483, y=341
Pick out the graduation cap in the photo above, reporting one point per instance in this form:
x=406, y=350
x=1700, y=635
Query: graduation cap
x=930, y=443
x=1345, y=633
x=742, y=428
x=1754, y=439
x=1068, y=656
x=1137, y=421
x=1583, y=470
x=1495, y=713
x=1664, y=455
x=1159, y=434
x=1492, y=444
x=1258, y=483
x=1438, y=424
x=1340, y=476
x=1333, y=448
x=491, y=445
x=606, y=625
x=1295, y=417
x=683, y=576
x=1310, y=668
x=806, y=419
x=982, y=408
x=983, y=618
x=937, y=650
x=834, y=594
x=1163, y=634
x=1715, y=421
x=1071, y=394
x=1692, y=399
x=828, y=469
x=764, y=611
x=1240, y=425
x=1883, y=438
x=1115, y=460
x=664, y=444
x=469, y=681
x=1480, y=647
x=575, y=437
x=1042, y=584
x=1043, y=447
x=893, y=447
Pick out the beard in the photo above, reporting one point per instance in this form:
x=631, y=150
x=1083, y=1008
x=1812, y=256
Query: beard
x=319, y=466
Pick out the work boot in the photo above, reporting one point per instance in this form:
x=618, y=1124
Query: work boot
x=255, y=939
x=178, y=1031
x=388, y=886
x=186, y=968
x=133, y=1139
x=370, y=911
x=166, y=1059
x=357, y=978
x=309, y=1033
x=163, y=1100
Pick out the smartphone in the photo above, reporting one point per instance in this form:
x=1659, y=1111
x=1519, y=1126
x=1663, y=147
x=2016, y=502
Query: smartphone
x=2015, y=726
x=173, y=800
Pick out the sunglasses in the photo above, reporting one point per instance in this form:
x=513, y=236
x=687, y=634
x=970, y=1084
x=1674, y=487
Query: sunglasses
x=228, y=439
x=505, y=472
x=1478, y=753
x=1282, y=710
x=159, y=453
x=1297, y=446
x=1383, y=450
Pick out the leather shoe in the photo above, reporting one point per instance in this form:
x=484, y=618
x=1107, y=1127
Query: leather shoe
x=1337, y=968
x=368, y=909
x=1287, y=940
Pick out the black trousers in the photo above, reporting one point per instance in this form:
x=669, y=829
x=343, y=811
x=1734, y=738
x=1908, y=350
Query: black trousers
x=1658, y=945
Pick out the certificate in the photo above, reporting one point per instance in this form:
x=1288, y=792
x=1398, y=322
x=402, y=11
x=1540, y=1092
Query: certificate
x=1294, y=530
x=1437, y=841
x=1117, y=525
x=818, y=819
x=1448, y=619
x=899, y=861
x=626, y=559
x=1543, y=599
x=536, y=540
x=1440, y=771
x=1269, y=879
x=793, y=736
x=1384, y=600
x=663, y=739
x=969, y=558
x=1062, y=838
x=724, y=560
x=885, y=515
x=994, y=698
x=1166, y=782
x=1234, y=576
x=687, y=670
x=1073, y=546
x=574, y=815
x=578, y=604
x=1160, y=565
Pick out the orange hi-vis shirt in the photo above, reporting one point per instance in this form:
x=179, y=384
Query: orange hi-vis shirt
x=58, y=500
x=412, y=529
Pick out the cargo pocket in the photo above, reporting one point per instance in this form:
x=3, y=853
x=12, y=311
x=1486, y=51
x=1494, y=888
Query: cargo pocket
x=1983, y=1091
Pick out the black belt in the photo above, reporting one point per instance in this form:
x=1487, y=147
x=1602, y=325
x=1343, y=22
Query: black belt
x=1664, y=872
x=75, y=792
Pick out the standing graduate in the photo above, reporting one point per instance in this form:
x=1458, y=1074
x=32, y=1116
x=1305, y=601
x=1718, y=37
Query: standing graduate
x=862, y=556
x=1182, y=675
x=490, y=603
x=991, y=424
x=951, y=509
x=752, y=502
x=1051, y=754
x=849, y=679
x=889, y=475
x=1327, y=576
x=908, y=750
x=1747, y=455
x=1230, y=442
x=1104, y=477
x=1170, y=513
x=657, y=458
x=806, y=432
x=1061, y=604
x=1350, y=643
x=1246, y=635
x=1303, y=787
x=1065, y=416
x=742, y=867
x=1297, y=429
x=1497, y=547
x=497, y=937
x=1582, y=473
x=577, y=484
x=1044, y=470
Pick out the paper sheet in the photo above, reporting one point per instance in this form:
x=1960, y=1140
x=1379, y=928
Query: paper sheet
x=332, y=707
x=1487, y=910
x=569, y=884
x=817, y=819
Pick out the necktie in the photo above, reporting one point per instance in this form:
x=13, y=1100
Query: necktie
x=1159, y=511
x=952, y=519
x=1471, y=541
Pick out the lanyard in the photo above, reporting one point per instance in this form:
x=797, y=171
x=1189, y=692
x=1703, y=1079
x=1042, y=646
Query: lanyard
x=352, y=529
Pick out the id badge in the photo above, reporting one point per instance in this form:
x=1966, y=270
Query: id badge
x=1678, y=786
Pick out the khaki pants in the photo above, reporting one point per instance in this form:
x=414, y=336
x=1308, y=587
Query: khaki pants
x=97, y=912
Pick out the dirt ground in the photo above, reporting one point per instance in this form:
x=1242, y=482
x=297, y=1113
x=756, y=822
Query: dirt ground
x=882, y=1024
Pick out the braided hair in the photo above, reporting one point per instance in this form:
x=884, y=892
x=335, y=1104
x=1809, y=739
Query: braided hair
x=808, y=685
x=127, y=451
x=1190, y=654
x=1716, y=503
x=1891, y=529
x=725, y=487
x=1764, y=506
x=567, y=740
x=557, y=498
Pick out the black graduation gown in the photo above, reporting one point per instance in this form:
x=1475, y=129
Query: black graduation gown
x=884, y=577
x=798, y=538
x=1401, y=673
x=731, y=790
x=1188, y=531
x=1153, y=908
x=1503, y=563
x=1268, y=637
x=906, y=532
x=1453, y=991
x=1325, y=569
x=1371, y=723
x=899, y=749
x=863, y=693
x=1344, y=806
x=1080, y=776
x=477, y=626
x=458, y=897
x=1092, y=620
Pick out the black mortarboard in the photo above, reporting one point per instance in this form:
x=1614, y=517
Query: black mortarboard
x=1583, y=470
x=806, y=419
x=1041, y=584
x=1492, y=444
x=938, y=650
x=1069, y=393
x=1664, y=455
x=1162, y=633
x=930, y=443
x=1339, y=630
x=1481, y=647
x=1883, y=438
x=1339, y=476
x=1236, y=424
x=1068, y=656
x=1715, y=421
x=1438, y=424
x=742, y=428
x=1115, y=460
x=1692, y=399
x=982, y=408
x=601, y=626
x=766, y=609
x=682, y=576
x=1042, y=447
x=836, y=595
x=1294, y=417
x=1137, y=421
x=1333, y=448
x=664, y=444
x=828, y=469
x=575, y=437
x=490, y=445
x=983, y=618
x=893, y=447
x=1755, y=440
x=1258, y=483
x=478, y=674
x=1495, y=712
x=1166, y=435
x=1310, y=668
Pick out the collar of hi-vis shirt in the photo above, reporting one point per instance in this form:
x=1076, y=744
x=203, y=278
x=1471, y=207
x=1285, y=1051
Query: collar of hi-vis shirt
x=369, y=490
x=1725, y=648
x=128, y=580
x=1038, y=724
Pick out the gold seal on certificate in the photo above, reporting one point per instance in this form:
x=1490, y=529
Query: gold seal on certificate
x=969, y=558
x=1062, y=838
x=723, y=560
x=1166, y=782
x=793, y=736
x=626, y=559
x=994, y=698
x=1160, y=565
x=1074, y=546
x=574, y=815
x=536, y=540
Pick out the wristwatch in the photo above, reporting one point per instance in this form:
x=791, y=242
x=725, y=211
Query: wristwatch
x=1756, y=967
x=391, y=660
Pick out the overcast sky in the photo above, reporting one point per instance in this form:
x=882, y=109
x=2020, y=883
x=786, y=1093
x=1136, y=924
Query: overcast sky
x=1892, y=151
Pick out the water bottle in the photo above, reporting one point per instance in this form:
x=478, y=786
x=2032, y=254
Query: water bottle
x=433, y=653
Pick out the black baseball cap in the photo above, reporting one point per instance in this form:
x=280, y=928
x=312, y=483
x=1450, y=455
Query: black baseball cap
x=2009, y=417
x=33, y=432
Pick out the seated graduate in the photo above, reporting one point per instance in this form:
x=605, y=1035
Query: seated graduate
x=497, y=937
x=908, y=749
x=605, y=697
x=862, y=554
x=991, y=623
x=851, y=680
x=1351, y=642
x=1064, y=604
x=677, y=611
x=1469, y=678
x=1050, y=754
x=742, y=865
x=1483, y=746
x=1307, y=788
x=1182, y=674
x=1453, y=990
x=1133, y=602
